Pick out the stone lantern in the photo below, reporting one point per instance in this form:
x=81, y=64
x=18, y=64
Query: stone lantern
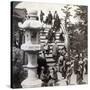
x=31, y=46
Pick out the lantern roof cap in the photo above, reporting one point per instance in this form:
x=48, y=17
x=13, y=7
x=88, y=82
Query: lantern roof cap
x=30, y=24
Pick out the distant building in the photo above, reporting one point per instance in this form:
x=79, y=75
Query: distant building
x=17, y=15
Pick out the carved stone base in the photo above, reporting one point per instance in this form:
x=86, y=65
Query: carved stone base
x=32, y=79
x=28, y=83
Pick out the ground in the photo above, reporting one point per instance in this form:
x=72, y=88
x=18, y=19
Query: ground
x=62, y=81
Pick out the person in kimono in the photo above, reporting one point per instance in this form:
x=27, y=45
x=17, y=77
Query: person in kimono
x=68, y=72
x=41, y=16
x=50, y=18
x=55, y=52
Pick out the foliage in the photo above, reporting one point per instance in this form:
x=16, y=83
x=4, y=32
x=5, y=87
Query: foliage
x=18, y=72
x=81, y=38
x=77, y=32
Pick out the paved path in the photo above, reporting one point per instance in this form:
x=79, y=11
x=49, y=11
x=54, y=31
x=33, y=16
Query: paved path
x=62, y=81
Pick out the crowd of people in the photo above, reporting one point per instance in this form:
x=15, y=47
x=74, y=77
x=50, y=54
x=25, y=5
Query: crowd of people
x=49, y=74
x=51, y=19
x=63, y=65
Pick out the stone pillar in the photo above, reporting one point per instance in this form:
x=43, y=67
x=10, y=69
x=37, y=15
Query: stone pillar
x=31, y=47
x=32, y=79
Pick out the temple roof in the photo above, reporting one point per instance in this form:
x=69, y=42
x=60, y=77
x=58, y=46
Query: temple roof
x=19, y=13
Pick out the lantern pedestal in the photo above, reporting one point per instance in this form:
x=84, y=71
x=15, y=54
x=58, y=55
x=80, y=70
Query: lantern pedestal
x=32, y=78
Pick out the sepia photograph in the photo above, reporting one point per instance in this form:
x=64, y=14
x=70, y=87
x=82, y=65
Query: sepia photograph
x=49, y=44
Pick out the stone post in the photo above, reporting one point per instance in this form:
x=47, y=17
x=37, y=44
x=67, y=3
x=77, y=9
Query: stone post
x=31, y=46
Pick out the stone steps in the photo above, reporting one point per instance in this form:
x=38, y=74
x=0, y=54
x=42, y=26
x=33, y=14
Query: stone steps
x=43, y=39
x=60, y=44
x=50, y=51
x=51, y=64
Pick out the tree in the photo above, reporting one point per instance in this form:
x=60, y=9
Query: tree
x=82, y=37
x=77, y=33
x=66, y=11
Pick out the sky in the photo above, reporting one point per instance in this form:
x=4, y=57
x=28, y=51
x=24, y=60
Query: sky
x=46, y=7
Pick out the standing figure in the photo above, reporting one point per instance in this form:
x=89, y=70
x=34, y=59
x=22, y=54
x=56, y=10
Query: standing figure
x=57, y=23
x=46, y=20
x=41, y=16
x=53, y=77
x=55, y=52
x=47, y=48
x=68, y=72
x=41, y=63
x=45, y=77
x=76, y=64
x=50, y=18
x=86, y=65
x=64, y=67
x=61, y=37
x=80, y=72
x=60, y=62
x=51, y=35
x=55, y=14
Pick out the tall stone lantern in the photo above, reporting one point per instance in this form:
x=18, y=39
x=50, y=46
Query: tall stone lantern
x=31, y=46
